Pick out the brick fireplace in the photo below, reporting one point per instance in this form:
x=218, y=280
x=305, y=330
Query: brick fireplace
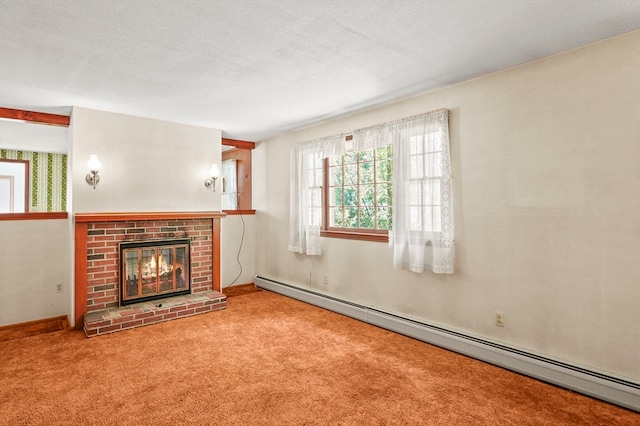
x=98, y=273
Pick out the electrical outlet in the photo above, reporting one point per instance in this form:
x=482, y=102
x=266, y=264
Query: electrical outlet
x=59, y=288
x=326, y=280
x=499, y=319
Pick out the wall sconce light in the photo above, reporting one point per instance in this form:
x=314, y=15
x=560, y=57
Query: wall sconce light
x=214, y=173
x=94, y=166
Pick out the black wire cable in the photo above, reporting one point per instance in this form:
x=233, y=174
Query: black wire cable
x=238, y=255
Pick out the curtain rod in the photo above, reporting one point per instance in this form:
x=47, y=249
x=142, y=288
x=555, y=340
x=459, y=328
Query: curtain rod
x=400, y=121
x=375, y=126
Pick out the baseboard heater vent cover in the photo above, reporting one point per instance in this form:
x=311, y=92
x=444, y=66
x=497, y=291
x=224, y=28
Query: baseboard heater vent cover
x=608, y=388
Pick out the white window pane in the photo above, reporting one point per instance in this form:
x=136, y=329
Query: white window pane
x=316, y=197
x=416, y=145
x=428, y=219
x=434, y=164
x=415, y=218
x=437, y=223
x=229, y=201
x=415, y=193
x=351, y=174
x=315, y=214
x=416, y=163
x=431, y=192
x=434, y=142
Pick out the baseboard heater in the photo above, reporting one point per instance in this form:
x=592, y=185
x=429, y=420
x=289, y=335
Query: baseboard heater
x=615, y=390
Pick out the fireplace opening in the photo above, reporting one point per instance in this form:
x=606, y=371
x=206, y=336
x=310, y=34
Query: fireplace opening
x=154, y=269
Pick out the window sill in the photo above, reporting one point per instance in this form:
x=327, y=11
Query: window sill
x=34, y=216
x=239, y=212
x=362, y=236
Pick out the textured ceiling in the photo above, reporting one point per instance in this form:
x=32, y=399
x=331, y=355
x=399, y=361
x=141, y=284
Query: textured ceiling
x=259, y=68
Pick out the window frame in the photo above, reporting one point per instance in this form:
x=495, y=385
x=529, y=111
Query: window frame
x=421, y=155
x=363, y=234
x=242, y=153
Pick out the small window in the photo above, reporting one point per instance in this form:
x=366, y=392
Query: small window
x=236, y=176
x=425, y=173
x=229, y=185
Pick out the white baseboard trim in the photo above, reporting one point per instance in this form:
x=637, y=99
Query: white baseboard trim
x=615, y=390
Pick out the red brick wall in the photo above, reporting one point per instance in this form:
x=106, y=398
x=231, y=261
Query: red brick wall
x=102, y=254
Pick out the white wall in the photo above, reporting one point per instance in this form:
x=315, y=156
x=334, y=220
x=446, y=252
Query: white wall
x=147, y=165
x=237, y=257
x=546, y=164
x=33, y=260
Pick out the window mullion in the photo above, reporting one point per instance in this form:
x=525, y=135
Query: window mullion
x=358, y=194
x=342, y=190
x=326, y=203
x=375, y=189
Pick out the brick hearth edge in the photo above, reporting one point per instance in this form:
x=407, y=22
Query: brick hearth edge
x=127, y=317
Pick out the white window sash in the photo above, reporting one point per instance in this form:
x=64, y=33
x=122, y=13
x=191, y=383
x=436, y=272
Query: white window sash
x=422, y=247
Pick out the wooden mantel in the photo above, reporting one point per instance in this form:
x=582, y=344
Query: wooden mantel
x=82, y=221
x=124, y=216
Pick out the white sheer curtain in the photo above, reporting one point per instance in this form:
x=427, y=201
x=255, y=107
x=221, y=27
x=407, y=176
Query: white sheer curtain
x=423, y=232
x=305, y=206
x=229, y=185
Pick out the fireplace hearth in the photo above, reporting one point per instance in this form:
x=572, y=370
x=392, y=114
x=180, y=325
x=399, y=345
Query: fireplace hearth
x=152, y=270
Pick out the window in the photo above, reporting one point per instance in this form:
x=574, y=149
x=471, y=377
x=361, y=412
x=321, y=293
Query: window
x=402, y=196
x=425, y=159
x=236, y=176
x=358, y=194
x=229, y=185
x=14, y=186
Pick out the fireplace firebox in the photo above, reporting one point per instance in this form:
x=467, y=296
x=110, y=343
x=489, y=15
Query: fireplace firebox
x=154, y=269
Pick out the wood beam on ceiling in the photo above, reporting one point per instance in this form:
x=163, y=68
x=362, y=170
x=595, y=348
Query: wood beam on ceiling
x=35, y=117
x=238, y=143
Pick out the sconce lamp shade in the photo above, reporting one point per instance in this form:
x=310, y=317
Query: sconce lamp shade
x=94, y=163
x=214, y=172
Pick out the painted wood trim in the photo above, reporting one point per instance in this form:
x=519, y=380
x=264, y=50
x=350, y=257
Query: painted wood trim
x=362, y=236
x=215, y=257
x=239, y=212
x=126, y=216
x=34, y=216
x=243, y=175
x=35, y=117
x=80, y=275
x=34, y=322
